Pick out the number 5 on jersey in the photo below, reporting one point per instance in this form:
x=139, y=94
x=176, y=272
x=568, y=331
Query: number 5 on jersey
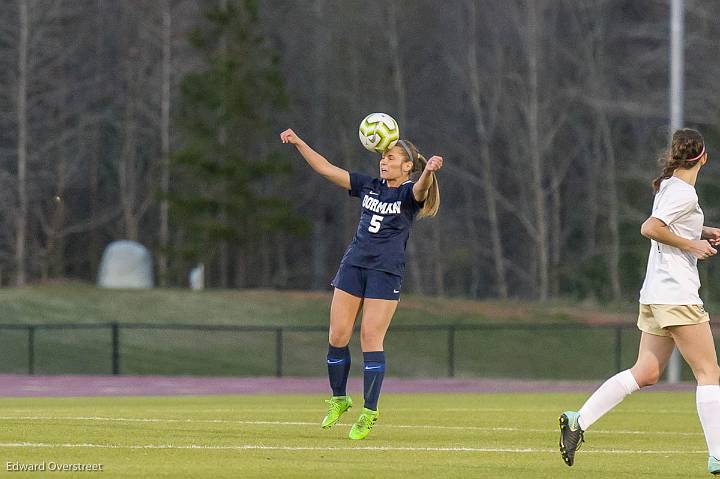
x=375, y=223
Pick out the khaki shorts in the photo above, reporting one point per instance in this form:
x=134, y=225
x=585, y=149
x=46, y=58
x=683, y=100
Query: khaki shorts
x=654, y=318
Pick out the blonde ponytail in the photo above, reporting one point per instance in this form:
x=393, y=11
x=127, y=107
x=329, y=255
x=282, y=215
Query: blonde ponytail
x=432, y=202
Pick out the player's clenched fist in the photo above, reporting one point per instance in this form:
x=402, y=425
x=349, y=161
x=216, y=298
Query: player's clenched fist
x=289, y=136
x=434, y=163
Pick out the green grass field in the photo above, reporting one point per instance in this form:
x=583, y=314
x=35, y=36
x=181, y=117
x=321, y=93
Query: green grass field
x=422, y=435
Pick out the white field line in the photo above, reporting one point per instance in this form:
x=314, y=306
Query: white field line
x=355, y=448
x=624, y=410
x=551, y=412
x=300, y=423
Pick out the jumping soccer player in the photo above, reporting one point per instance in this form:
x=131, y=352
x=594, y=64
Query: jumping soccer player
x=671, y=311
x=371, y=271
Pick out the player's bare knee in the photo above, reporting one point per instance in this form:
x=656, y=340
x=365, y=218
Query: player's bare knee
x=371, y=341
x=707, y=374
x=370, y=336
x=339, y=338
x=646, y=376
x=650, y=379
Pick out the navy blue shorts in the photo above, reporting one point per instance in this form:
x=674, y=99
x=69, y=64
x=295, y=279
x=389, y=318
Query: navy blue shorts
x=367, y=283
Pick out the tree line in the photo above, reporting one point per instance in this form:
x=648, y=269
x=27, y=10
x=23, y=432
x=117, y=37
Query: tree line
x=158, y=122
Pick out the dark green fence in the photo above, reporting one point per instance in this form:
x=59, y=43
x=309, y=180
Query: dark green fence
x=541, y=351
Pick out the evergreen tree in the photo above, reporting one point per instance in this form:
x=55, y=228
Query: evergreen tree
x=225, y=176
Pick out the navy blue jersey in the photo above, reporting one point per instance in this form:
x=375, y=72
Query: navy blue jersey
x=386, y=217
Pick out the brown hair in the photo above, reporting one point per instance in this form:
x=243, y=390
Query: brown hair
x=686, y=149
x=432, y=202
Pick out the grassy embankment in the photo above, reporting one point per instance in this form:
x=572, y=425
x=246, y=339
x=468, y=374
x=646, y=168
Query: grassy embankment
x=517, y=353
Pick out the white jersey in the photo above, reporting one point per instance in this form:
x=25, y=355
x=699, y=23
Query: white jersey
x=672, y=274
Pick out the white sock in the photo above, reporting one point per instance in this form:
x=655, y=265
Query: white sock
x=607, y=397
x=708, y=407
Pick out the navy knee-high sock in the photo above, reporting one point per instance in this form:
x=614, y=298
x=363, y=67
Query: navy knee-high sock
x=373, y=374
x=338, y=363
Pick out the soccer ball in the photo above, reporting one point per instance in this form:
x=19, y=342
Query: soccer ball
x=379, y=132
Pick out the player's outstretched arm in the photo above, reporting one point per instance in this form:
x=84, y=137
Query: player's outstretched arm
x=318, y=162
x=422, y=185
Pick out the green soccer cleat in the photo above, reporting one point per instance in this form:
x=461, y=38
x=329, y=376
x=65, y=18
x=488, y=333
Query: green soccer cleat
x=337, y=405
x=713, y=466
x=571, y=436
x=364, y=424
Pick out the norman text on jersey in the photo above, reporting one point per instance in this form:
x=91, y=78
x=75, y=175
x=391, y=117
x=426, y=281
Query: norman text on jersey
x=381, y=207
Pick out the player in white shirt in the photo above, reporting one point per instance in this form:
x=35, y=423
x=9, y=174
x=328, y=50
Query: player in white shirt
x=671, y=311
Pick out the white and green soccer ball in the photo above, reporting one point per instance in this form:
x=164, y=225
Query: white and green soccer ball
x=379, y=132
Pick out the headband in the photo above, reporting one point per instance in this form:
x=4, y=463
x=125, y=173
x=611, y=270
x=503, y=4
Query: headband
x=407, y=150
x=692, y=159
